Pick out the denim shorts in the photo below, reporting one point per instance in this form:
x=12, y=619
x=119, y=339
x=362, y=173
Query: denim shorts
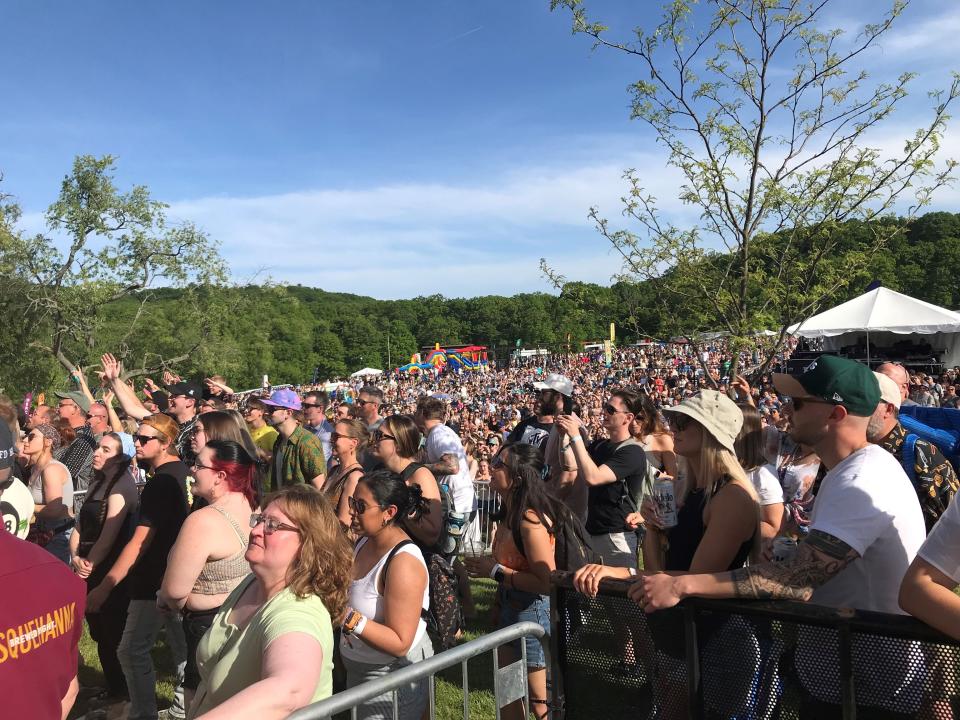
x=520, y=606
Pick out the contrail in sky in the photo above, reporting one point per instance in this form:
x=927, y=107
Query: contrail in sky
x=462, y=35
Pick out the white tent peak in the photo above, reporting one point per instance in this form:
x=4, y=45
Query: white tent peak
x=880, y=310
x=367, y=372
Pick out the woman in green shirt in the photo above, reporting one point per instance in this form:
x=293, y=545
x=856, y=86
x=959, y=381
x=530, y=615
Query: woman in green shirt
x=270, y=648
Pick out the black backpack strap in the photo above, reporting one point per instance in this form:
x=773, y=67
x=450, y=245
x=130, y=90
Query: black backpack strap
x=409, y=470
x=394, y=551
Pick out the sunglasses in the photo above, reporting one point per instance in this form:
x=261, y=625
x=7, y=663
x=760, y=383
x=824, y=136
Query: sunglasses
x=144, y=439
x=611, y=410
x=270, y=525
x=361, y=403
x=310, y=405
x=357, y=506
x=798, y=403
x=380, y=436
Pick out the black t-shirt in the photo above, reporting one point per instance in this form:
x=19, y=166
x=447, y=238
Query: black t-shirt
x=607, y=508
x=163, y=506
x=532, y=432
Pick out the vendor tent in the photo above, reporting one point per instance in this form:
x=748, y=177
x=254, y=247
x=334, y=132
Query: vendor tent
x=878, y=315
x=367, y=372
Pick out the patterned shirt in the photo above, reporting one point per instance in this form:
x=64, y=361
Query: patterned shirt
x=78, y=457
x=296, y=459
x=184, y=441
x=935, y=479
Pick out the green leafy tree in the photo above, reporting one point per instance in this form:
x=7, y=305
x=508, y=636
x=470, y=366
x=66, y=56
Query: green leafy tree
x=775, y=162
x=104, y=250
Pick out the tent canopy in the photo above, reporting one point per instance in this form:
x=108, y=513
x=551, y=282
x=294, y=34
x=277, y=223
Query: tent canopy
x=367, y=372
x=880, y=310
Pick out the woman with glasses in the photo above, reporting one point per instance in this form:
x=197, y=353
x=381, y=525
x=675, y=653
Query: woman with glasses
x=269, y=650
x=383, y=629
x=395, y=443
x=228, y=425
x=104, y=524
x=52, y=489
x=522, y=560
x=349, y=438
x=207, y=560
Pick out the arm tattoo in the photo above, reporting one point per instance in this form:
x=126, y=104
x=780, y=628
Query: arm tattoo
x=819, y=557
x=446, y=465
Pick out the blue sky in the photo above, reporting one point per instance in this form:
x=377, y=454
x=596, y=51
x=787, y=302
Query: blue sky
x=384, y=148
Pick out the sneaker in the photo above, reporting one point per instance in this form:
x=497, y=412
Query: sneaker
x=168, y=714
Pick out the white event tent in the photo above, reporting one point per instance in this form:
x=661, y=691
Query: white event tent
x=367, y=372
x=881, y=314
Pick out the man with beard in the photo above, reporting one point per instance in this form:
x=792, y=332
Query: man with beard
x=933, y=476
x=297, y=453
x=143, y=561
x=549, y=403
x=866, y=528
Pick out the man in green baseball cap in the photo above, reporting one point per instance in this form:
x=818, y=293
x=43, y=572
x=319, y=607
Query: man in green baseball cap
x=865, y=528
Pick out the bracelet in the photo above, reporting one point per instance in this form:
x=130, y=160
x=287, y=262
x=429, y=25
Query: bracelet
x=498, y=568
x=358, y=630
x=632, y=571
x=352, y=621
x=575, y=438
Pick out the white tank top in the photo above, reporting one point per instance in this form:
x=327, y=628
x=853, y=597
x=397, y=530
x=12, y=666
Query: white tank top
x=36, y=489
x=365, y=599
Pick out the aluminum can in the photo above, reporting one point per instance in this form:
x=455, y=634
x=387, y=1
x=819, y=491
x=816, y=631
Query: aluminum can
x=666, y=502
x=784, y=549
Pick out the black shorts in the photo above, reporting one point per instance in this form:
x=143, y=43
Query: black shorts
x=195, y=624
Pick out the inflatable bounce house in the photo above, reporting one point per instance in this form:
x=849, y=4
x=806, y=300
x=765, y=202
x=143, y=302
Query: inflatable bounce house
x=461, y=357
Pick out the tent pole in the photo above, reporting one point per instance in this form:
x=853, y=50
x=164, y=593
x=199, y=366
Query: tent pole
x=868, y=348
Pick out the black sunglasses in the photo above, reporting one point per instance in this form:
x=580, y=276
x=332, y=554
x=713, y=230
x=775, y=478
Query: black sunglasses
x=358, y=506
x=611, y=410
x=144, y=439
x=379, y=435
x=310, y=405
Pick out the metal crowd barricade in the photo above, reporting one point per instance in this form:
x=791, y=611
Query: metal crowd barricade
x=748, y=660
x=509, y=682
x=478, y=535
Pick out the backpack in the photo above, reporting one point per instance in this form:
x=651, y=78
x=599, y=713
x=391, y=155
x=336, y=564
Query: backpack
x=445, y=616
x=938, y=426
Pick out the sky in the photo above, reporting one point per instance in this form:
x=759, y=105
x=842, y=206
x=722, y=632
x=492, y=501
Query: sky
x=382, y=148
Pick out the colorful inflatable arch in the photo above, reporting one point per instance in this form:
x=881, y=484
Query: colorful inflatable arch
x=466, y=357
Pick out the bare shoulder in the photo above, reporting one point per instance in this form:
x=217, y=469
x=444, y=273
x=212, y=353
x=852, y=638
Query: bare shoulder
x=660, y=442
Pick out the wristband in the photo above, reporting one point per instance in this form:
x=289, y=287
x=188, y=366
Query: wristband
x=351, y=621
x=575, y=438
x=632, y=571
x=358, y=630
x=498, y=568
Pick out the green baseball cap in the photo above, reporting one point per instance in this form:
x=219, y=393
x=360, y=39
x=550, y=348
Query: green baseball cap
x=836, y=380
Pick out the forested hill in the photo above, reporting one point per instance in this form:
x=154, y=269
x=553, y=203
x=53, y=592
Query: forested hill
x=287, y=332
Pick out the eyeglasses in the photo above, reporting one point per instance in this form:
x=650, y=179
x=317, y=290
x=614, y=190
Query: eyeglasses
x=680, y=422
x=144, y=439
x=198, y=466
x=361, y=403
x=270, y=525
x=611, y=410
x=358, y=506
x=380, y=436
x=798, y=403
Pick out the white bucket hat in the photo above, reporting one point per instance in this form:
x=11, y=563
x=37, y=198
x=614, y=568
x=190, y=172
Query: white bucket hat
x=717, y=413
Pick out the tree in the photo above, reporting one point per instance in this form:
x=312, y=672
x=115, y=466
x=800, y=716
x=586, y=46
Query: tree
x=118, y=250
x=775, y=162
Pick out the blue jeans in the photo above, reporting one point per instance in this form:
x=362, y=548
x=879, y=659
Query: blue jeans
x=139, y=635
x=519, y=606
x=59, y=545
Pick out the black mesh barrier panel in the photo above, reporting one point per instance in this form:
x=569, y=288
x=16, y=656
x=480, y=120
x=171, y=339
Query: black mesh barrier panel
x=745, y=661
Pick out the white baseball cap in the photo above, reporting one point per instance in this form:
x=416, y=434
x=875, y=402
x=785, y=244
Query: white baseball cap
x=558, y=382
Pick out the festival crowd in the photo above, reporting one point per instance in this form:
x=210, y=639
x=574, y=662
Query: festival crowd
x=293, y=542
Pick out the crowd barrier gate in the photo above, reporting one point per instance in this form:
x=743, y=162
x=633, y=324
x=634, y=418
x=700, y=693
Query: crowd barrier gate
x=748, y=660
x=509, y=682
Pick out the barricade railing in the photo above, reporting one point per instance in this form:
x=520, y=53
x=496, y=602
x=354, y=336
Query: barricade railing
x=509, y=682
x=478, y=536
x=748, y=660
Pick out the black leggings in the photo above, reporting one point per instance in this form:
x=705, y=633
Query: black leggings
x=195, y=624
x=106, y=629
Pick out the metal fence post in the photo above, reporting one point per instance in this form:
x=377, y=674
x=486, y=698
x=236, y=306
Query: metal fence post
x=694, y=686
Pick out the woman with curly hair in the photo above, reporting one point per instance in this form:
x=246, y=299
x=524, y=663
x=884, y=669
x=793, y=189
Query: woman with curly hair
x=269, y=650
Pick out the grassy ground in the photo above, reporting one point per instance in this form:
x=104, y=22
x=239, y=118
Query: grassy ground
x=449, y=693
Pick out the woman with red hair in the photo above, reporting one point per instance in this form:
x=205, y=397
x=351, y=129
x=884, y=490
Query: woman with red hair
x=207, y=561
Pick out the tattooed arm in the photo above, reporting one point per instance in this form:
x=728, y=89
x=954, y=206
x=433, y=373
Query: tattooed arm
x=819, y=557
x=448, y=464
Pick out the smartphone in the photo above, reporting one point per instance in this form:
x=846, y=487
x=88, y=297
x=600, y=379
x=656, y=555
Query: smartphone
x=567, y=405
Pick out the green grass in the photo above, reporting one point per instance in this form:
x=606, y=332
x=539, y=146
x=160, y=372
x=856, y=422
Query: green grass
x=448, y=692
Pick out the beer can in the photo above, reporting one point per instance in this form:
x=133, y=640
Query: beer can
x=666, y=502
x=784, y=548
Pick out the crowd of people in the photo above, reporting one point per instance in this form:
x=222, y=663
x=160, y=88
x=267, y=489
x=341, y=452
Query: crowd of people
x=296, y=541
